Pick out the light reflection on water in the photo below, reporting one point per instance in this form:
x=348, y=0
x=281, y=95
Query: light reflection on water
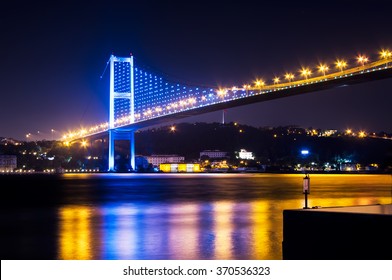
x=221, y=227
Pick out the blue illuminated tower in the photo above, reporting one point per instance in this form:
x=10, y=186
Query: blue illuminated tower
x=121, y=109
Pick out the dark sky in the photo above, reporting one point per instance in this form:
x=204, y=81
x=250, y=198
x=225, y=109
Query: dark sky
x=53, y=55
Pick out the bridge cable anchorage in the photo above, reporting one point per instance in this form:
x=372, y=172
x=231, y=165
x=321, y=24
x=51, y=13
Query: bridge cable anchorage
x=107, y=63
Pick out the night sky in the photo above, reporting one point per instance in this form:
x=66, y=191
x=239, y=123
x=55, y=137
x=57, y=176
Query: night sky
x=53, y=55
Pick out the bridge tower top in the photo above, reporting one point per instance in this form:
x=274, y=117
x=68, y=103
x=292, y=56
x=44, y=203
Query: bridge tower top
x=122, y=90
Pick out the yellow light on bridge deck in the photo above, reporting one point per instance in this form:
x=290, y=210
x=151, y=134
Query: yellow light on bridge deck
x=259, y=83
x=385, y=54
x=221, y=92
x=362, y=59
x=289, y=76
x=305, y=72
x=341, y=64
x=276, y=80
x=323, y=68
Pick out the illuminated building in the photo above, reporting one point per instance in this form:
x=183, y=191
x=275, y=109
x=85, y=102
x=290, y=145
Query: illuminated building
x=156, y=160
x=213, y=154
x=7, y=163
x=179, y=167
x=244, y=154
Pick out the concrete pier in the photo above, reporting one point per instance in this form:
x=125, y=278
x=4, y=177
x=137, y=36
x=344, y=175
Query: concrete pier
x=338, y=233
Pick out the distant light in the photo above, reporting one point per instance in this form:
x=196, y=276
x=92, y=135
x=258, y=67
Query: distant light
x=304, y=152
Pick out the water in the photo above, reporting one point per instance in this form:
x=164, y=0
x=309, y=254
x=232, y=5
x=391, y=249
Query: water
x=165, y=216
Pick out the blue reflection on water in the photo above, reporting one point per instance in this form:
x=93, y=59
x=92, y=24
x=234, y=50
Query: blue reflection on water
x=207, y=240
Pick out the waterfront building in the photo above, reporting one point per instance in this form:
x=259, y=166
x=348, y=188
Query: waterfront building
x=179, y=167
x=213, y=154
x=156, y=160
x=244, y=154
x=8, y=163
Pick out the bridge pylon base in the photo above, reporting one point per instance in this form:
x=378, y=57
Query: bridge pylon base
x=121, y=135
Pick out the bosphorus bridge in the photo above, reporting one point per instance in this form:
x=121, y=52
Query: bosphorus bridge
x=140, y=99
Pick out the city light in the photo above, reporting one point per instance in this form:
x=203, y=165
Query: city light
x=362, y=134
x=304, y=152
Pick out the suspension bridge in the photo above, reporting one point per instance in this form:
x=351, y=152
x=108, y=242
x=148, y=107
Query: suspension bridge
x=140, y=99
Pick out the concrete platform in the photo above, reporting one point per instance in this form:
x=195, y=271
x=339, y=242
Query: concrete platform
x=338, y=233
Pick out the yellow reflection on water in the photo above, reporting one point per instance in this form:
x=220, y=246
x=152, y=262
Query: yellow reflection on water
x=223, y=228
x=261, y=227
x=184, y=230
x=267, y=227
x=74, y=233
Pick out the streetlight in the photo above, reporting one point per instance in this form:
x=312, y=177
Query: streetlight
x=84, y=143
x=306, y=189
x=52, y=130
x=362, y=134
x=341, y=64
x=276, y=80
x=259, y=84
x=362, y=59
x=221, y=93
x=246, y=87
x=289, y=77
x=305, y=72
x=385, y=54
x=323, y=68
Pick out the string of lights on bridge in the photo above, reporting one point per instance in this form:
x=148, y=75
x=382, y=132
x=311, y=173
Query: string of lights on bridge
x=155, y=97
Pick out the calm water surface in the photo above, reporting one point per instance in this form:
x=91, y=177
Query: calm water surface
x=165, y=216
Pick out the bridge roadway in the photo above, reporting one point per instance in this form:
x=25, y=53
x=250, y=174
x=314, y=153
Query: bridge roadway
x=330, y=81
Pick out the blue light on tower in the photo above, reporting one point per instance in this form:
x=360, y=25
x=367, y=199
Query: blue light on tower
x=304, y=152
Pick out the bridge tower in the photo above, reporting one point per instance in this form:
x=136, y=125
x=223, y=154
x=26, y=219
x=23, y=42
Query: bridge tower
x=121, y=106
